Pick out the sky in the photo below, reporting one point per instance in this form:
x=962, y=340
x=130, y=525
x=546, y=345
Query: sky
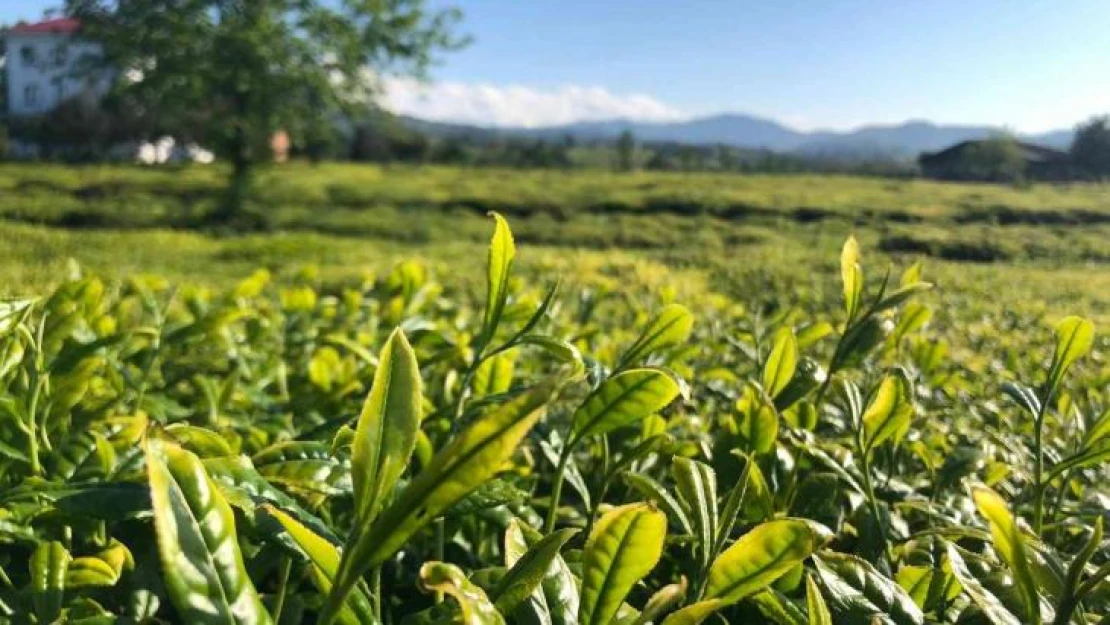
x=1028, y=65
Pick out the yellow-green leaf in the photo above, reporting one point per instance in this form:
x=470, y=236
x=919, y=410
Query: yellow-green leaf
x=103, y=569
x=494, y=376
x=203, y=568
x=622, y=400
x=697, y=486
x=201, y=441
x=780, y=365
x=386, y=431
x=664, y=599
x=888, y=415
x=815, y=604
x=1074, y=338
x=671, y=326
x=474, y=605
x=323, y=558
x=694, y=613
x=1009, y=543
x=49, y=565
x=761, y=556
x=306, y=467
x=527, y=570
x=852, y=276
x=623, y=548
x=499, y=267
x=469, y=460
x=560, y=588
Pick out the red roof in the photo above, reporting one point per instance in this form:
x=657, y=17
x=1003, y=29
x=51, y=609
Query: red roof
x=59, y=25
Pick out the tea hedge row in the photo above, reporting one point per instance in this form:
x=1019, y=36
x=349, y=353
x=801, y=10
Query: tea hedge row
x=395, y=452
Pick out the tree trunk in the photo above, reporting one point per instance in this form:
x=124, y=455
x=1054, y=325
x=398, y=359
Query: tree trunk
x=230, y=211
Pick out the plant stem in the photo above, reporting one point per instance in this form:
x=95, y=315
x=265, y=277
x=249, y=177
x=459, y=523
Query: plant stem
x=1038, y=462
x=33, y=406
x=376, y=589
x=872, y=501
x=557, y=488
x=279, y=606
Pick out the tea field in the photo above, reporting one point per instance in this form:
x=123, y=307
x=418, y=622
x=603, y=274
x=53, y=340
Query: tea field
x=450, y=396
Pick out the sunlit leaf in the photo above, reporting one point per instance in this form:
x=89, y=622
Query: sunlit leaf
x=471, y=458
x=622, y=400
x=624, y=546
x=1009, y=543
x=669, y=327
x=475, y=607
x=202, y=565
x=386, y=431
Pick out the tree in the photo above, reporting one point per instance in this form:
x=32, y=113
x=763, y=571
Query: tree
x=997, y=159
x=626, y=151
x=1090, y=150
x=229, y=74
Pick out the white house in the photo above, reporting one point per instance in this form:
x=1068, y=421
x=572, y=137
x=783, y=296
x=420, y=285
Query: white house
x=41, y=65
x=42, y=70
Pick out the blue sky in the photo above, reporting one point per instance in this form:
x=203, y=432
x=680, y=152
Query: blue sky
x=1025, y=64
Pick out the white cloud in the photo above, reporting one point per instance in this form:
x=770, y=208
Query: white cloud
x=510, y=105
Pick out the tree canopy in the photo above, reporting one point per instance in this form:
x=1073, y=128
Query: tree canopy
x=229, y=74
x=1090, y=150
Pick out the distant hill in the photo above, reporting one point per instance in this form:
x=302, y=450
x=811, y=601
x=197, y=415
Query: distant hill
x=899, y=141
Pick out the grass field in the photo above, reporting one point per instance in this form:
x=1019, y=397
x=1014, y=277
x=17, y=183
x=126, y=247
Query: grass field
x=1040, y=247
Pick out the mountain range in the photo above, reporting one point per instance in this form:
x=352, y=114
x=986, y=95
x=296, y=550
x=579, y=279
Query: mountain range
x=899, y=141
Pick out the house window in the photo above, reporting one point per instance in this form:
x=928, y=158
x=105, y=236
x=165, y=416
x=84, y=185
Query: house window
x=27, y=54
x=31, y=95
x=60, y=56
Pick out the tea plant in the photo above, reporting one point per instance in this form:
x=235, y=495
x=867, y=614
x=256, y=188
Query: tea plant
x=392, y=453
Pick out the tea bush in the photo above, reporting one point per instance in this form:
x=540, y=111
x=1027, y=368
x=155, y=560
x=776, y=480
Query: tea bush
x=395, y=452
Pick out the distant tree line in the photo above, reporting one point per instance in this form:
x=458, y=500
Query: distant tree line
x=382, y=138
x=1004, y=158
x=85, y=131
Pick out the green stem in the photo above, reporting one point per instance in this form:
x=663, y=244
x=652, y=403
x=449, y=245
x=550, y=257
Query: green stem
x=557, y=489
x=873, y=502
x=33, y=405
x=441, y=544
x=1039, y=486
x=1093, y=581
x=279, y=606
x=376, y=588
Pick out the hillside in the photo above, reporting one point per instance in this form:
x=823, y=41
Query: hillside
x=899, y=141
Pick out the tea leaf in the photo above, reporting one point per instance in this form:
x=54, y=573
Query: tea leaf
x=622, y=400
x=851, y=275
x=323, y=558
x=889, y=413
x=1009, y=544
x=470, y=459
x=1074, y=338
x=448, y=579
x=202, y=565
x=857, y=592
x=498, y=269
x=528, y=570
x=386, y=431
x=780, y=365
x=697, y=487
x=761, y=556
x=624, y=547
x=815, y=604
x=48, y=567
x=990, y=605
x=671, y=326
